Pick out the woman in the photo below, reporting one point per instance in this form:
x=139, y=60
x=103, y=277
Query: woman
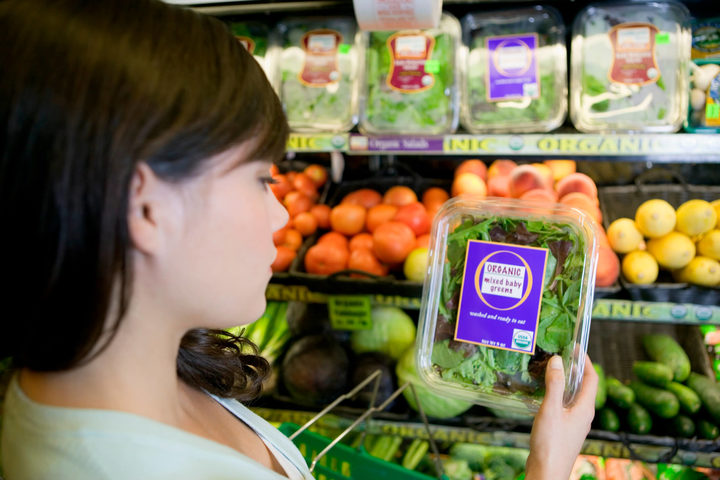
x=135, y=146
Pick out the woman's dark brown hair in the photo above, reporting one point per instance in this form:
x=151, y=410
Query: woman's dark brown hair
x=88, y=89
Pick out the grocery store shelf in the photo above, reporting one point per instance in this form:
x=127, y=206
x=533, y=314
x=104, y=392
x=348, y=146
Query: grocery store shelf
x=657, y=148
x=498, y=432
x=603, y=308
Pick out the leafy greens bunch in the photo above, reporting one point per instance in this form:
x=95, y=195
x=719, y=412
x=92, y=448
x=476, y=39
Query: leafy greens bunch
x=503, y=371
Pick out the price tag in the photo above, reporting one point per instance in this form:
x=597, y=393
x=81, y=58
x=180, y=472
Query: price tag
x=344, y=48
x=662, y=38
x=432, y=66
x=350, y=312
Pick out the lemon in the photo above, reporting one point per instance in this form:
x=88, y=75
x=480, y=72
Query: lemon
x=695, y=217
x=709, y=245
x=701, y=271
x=674, y=250
x=716, y=206
x=623, y=235
x=655, y=218
x=640, y=267
x=416, y=265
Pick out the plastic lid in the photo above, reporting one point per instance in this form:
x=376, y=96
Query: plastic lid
x=508, y=286
x=318, y=73
x=629, y=63
x=515, y=71
x=410, y=84
x=257, y=38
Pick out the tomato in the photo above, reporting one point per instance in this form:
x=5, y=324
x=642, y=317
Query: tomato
x=414, y=216
x=322, y=215
x=305, y=223
x=325, y=258
x=393, y=241
x=304, y=184
x=317, y=173
x=378, y=215
x=281, y=187
x=274, y=170
x=279, y=235
x=293, y=239
x=423, y=241
x=347, y=218
x=283, y=259
x=473, y=166
x=367, y=197
x=335, y=238
x=296, y=203
x=399, y=195
x=432, y=209
x=363, y=259
x=361, y=240
x=434, y=195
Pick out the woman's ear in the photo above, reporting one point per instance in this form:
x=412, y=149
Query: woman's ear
x=144, y=210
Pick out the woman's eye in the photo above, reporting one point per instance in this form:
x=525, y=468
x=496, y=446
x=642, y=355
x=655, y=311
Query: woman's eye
x=267, y=180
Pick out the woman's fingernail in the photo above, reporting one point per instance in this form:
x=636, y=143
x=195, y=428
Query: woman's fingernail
x=556, y=363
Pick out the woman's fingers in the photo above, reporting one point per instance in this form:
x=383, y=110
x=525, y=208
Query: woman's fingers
x=554, y=383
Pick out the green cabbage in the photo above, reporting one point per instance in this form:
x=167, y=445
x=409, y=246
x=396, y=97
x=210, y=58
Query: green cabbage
x=431, y=111
x=392, y=332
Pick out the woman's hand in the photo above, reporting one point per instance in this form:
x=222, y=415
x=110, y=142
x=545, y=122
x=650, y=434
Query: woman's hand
x=558, y=433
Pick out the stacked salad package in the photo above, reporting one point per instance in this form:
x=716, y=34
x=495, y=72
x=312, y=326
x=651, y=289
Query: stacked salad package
x=514, y=71
x=319, y=70
x=259, y=40
x=411, y=80
x=629, y=67
x=508, y=286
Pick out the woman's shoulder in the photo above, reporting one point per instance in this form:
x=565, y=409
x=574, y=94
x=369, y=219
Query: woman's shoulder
x=40, y=441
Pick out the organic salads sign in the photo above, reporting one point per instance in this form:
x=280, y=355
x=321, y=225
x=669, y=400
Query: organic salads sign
x=500, y=295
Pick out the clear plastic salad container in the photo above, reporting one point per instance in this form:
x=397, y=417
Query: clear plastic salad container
x=629, y=64
x=514, y=71
x=509, y=285
x=318, y=73
x=261, y=42
x=411, y=80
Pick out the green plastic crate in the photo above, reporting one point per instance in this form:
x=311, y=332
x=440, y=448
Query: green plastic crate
x=344, y=462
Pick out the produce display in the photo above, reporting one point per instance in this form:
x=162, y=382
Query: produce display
x=665, y=399
x=515, y=73
x=411, y=80
x=510, y=285
x=298, y=192
x=319, y=70
x=684, y=241
x=704, y=114
x=258, y=39
x=628, y=67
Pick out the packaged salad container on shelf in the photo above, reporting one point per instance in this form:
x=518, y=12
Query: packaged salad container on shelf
x=508, y=286
x=318, y=73
x=260, y=41
x=514, y=71
x=411, y=80
x=629, y=64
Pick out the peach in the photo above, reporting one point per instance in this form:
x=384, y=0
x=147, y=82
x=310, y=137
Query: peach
x=582, y=202
x=501, y=168
x=473, y=166
x=499, y=186
x=561, y=168
x=525, y=178
x=577, y=182
x=539, y=195
x=469, y=184
x=546, y=173
x=608, y=267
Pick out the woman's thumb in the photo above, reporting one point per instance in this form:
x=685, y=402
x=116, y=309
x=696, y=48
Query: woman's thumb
x=554, y=382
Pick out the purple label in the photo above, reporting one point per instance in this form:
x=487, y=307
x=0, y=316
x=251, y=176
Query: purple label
x=512, y=67
x=500, y=295
x=409, y=144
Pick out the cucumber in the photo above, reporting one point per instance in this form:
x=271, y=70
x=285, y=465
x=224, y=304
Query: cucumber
x=601, y=396
x=660, y=402
x=709, y=393
x=415, y=452
x=689, y=401
x=707, y=430
x=664, y=349
x=653, y=373
x=609, y=420
x=620, y=394
x=639, y=419
x=683, y=426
